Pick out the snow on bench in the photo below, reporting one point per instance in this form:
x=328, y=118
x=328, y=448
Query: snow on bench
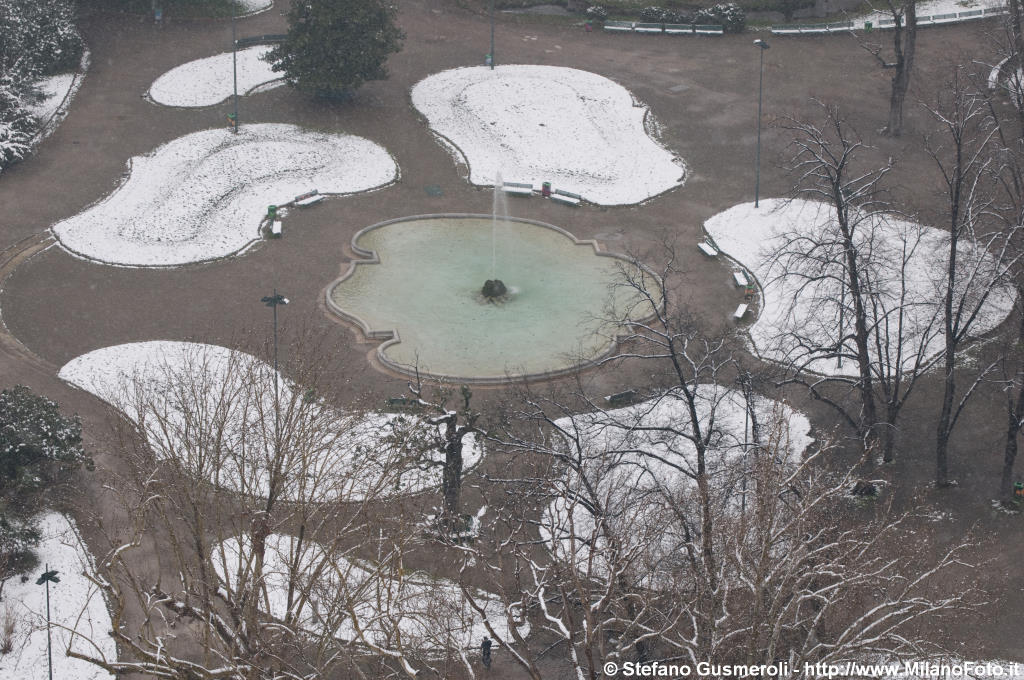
x=308, y=198
x=618, y=26
x=649, y=28
x=275, y=228
x=708, y=30
x=679, y=29
x=708, y=249
x=517, y=188
x=945, y=18
x=740, y=312
x=566, y=197
x=740, y=277
x=621, y=399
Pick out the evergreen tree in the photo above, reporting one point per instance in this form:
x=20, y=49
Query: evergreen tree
x=39, y=449
x=334, y=46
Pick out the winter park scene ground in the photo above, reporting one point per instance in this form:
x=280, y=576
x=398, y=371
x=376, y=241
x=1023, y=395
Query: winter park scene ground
x=621, y=341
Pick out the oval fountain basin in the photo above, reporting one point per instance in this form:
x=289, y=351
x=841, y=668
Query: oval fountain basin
x=420, y=289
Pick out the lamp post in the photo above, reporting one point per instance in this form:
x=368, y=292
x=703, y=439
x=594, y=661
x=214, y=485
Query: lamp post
x=760, y=89
x=492, y=35
x=234, y=71
x=273, y=301
x=47, y=578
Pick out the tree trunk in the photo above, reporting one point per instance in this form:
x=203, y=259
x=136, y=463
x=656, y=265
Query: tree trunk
x=1014, y=412
x=903, y=65
x=451, y=484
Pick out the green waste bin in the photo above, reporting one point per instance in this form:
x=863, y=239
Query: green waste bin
x=545, y=189
x=271, y=211
x=868, y=26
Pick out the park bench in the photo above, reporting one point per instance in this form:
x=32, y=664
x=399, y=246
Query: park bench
x=621, y=399
x=566, y=197
x=275, y=229
x=309, y=198
x=708, y=30
x=403, y=404
x=649, y=28
x=517, y=188
x=741, y=279
x=945, y=18
x=261, y=39
x=740, y=312
x=679, y=29
x=708, y=249
x=618, y=26
x=972, y=14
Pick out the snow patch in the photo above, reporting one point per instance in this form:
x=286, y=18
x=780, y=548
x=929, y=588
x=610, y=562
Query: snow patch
x=799, y=313
x=208, y=81
x=430, y=613
x=351, y=456
x=202, y=196
x=582, y=132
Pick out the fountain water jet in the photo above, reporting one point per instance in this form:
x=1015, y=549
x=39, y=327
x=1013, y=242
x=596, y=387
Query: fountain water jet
x=495, y=287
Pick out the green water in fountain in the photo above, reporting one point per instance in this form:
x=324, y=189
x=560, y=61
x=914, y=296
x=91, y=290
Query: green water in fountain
x=427, y=284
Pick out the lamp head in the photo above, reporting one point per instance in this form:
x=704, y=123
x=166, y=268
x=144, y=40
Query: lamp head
x=762, y=44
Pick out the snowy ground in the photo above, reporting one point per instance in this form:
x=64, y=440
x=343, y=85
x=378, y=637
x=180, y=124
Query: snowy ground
x=74, y=603
x=208, y=81
x=202, y=196
x=580, y=131
x=254, y=6
x=624, y=480
x=53, y=89
x=431, y=613
x=361, y=455
x=800, y=310
x=930, y=8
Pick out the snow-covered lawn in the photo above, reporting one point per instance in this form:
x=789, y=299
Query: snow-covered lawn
x=634, y=487
x=800, y=309
x=330, y=454
x=74, y=604
x=210, y=80
x=202, y=196
x=53, y=89
x=254, y=6
x=581, y=131
x=430, y=613
x=930, y=8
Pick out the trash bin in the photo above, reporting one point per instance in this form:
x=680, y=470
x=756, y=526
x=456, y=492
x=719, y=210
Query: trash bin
x=545, y=189
x=1018, y=489
x=868, y=26
x=488, y=60
x=271, y=211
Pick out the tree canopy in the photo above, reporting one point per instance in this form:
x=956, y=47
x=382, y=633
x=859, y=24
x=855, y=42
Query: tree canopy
x=334, y=47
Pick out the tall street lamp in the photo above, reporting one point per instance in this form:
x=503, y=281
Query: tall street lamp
x=492, y=35
x=234, y=71
x=273, y=301
x=760, y=89
x=49, y=576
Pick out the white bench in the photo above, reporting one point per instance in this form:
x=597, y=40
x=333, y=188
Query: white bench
x=740, y=312
x=708, y=249
x=708, y=30
x=741, y=279
x=275, y=228
x=517, y=188
x=566, y=197
x=618, y=26
x=679, y=29
x=649, y=28
x=309, y=198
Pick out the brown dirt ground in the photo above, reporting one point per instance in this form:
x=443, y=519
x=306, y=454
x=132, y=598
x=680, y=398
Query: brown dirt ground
x=702, y=92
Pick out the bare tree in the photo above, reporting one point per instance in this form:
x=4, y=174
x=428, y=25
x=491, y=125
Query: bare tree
x=980, y=252
x=904, y=46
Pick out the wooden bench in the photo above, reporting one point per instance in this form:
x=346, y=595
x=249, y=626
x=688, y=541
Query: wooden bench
x=403, y=404
x=309, y=198
x=566, y=197
x=649, y=28
x=275, y=229
x=741, y=279
x=708, y=30
x=618, y=26
x=740, y=312
x=708, y=249
x=517, y=188
x=679, y=29
x=621, y=399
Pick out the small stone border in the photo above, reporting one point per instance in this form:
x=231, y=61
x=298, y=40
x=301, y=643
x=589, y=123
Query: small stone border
x=392, y=337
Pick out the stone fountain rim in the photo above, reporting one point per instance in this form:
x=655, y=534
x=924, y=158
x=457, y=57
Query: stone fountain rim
x=392, y=336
